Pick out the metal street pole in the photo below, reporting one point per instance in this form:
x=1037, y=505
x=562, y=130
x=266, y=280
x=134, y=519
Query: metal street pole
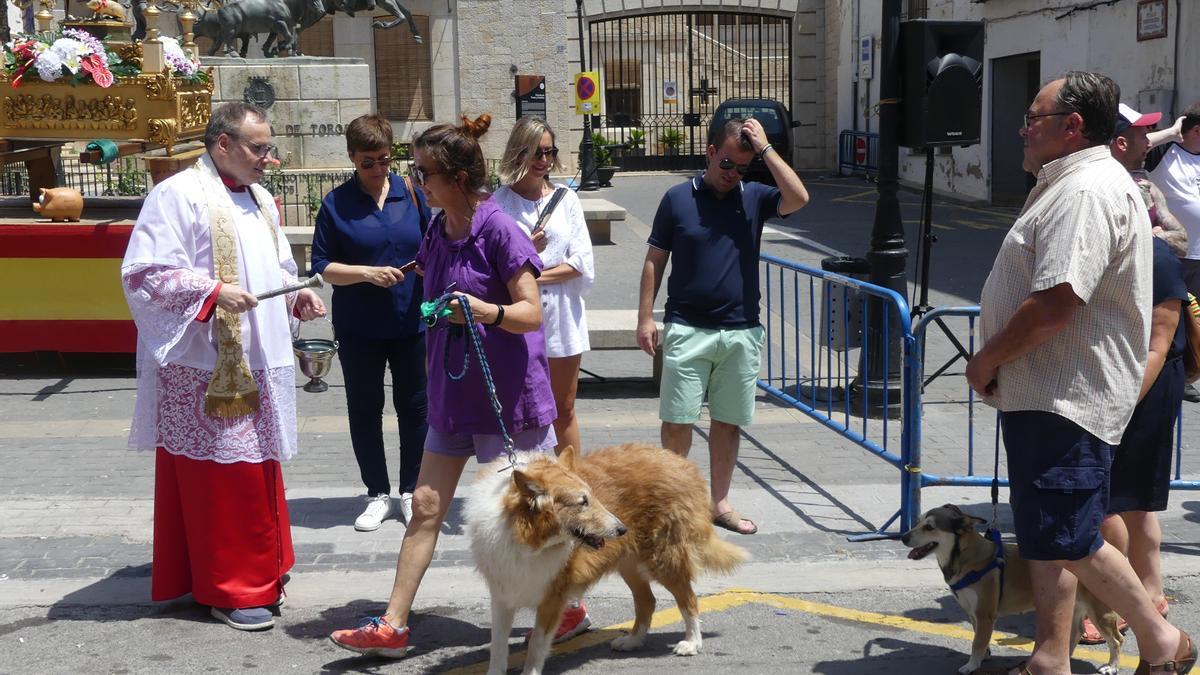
x=587, y=159
x=888, y=256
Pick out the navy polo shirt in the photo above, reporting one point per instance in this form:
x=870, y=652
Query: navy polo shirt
x=351, y=229
x=1168, y=285
x=714, y=243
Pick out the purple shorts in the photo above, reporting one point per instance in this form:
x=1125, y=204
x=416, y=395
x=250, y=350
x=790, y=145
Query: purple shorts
x=489, y=447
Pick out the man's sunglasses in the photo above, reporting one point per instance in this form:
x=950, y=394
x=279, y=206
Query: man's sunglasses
x=727, y=164
x=370, y=163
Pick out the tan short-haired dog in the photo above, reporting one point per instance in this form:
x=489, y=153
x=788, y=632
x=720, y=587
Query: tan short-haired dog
x=990, y=582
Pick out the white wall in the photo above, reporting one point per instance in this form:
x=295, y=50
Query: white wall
x=1101, y=39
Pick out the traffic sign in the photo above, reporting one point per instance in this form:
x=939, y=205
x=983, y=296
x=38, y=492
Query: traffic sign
x=860, y=151
x=587, y=93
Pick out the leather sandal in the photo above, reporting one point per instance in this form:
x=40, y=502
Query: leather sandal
x=1185, y=658
x=730, y=521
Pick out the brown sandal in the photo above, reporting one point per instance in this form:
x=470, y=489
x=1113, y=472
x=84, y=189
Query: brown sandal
x=1185, y=658
x=730, y=521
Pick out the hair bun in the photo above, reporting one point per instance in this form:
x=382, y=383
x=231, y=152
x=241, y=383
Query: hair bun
x=476, y=128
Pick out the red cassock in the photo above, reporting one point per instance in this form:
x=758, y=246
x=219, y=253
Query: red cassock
x=221, y=531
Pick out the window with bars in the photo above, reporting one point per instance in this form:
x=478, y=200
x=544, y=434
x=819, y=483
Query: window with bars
x=403, y=73
x=317, y=39
x=623, y=91
x=917, y=9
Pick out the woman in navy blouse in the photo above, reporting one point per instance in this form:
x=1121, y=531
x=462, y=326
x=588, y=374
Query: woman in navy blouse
x=367, y=229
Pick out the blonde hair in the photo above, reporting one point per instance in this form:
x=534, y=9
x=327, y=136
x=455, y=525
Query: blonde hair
x=523, y=145
x=456, y=148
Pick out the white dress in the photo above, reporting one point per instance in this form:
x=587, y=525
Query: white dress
x=567, y=241
x=167, y=275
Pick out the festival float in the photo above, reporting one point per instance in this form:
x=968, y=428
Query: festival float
x=86, y=81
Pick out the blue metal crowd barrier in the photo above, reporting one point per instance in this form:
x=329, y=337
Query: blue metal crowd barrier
x=803, y=371
x=811, y=315
x=858, y=152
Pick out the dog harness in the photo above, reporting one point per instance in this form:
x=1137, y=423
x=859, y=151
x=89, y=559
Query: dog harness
x=997, y=562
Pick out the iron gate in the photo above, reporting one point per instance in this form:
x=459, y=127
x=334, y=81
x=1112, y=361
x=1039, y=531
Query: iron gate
x=663, y=75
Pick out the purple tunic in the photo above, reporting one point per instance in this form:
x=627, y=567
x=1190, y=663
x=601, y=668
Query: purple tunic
x=481, y=265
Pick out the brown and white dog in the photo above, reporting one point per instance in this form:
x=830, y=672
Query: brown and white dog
x=962, y=552
x=543, y=533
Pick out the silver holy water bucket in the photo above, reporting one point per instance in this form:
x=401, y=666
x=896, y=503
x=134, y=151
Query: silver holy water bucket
x=316, y=358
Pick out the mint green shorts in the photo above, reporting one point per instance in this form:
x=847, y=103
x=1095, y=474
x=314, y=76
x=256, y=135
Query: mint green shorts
x=720, y=362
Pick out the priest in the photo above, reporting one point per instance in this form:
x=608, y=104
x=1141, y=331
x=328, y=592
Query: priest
x=216, y=391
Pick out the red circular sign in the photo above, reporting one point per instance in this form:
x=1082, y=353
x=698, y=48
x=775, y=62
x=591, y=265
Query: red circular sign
x=860, y=151
x=585, y=88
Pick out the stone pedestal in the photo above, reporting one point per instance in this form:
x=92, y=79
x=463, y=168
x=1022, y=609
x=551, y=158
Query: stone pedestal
x=309, y=101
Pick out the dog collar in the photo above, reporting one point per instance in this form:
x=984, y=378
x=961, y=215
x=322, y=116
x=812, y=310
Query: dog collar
x=997, y=562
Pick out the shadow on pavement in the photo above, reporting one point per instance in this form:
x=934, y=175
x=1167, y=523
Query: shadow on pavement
x=432, y=629
x=892, y=655
x=323, y=513
x=124, y=595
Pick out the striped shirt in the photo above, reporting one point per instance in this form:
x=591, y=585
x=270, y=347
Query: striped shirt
x=1084, y=224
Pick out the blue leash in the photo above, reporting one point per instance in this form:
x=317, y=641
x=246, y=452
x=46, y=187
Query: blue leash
x=430, y=313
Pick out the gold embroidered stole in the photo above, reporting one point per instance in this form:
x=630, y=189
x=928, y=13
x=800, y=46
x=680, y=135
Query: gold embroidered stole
x=232, y=391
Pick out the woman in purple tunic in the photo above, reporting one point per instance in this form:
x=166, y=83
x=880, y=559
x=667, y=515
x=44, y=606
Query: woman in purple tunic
x=472, y=248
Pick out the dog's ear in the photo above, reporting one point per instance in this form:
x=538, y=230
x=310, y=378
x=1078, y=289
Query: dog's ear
x=567, y=458
x=969, y=523
x=527, y=485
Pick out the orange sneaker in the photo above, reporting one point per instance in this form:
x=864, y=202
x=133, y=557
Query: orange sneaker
x=373, y=637
x=575, y=621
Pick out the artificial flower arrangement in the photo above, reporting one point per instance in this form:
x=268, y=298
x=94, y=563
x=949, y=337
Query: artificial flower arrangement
x=76, y=56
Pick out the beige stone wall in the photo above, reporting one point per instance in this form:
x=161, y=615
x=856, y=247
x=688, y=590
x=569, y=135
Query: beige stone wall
x=314, y=99
x=536, y=38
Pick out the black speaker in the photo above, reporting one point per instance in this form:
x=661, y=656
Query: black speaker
x=941, y=82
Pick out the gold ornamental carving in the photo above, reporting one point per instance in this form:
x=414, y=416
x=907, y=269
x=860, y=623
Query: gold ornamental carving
x=159, y=87
x=24, y=111
x=162, y=131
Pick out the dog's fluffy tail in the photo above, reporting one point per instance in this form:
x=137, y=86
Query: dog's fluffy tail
x=718, y=555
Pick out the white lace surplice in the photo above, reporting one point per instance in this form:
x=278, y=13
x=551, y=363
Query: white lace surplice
x=167, y=275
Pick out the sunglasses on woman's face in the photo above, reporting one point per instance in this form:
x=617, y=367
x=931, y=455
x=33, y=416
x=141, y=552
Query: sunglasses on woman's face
x=545, y=153
x=727, y=164
x=369, y=163
x=419, y=174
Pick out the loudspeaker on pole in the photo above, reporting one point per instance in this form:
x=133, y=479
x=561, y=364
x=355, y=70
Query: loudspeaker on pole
x=941, y=83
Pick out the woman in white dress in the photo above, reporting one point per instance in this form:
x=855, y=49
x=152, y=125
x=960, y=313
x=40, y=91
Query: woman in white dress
x=566, y=252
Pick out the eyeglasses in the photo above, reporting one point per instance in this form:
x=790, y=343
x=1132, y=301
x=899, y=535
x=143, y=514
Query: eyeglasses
x=548, y=153
x=369, y=163
x=259, y=150
x=419, y=174
x=1029, y=117
x=727, y=164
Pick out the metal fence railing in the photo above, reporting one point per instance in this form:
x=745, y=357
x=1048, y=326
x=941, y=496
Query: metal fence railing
x=300, y=191
x=815, y=319
x=858, y=152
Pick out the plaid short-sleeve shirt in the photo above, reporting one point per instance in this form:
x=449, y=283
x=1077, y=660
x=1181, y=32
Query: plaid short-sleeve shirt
x=1084, y=224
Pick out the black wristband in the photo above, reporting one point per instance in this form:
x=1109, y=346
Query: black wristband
x=763, y=153
x=499, y=315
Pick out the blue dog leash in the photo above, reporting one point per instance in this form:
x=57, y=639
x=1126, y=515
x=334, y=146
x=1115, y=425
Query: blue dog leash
x=993, y=532
x=434, y=310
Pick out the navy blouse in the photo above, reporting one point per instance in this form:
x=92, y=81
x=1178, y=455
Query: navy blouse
x=352, y=230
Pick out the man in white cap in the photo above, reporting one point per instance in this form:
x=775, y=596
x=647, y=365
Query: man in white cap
x=1129, y=147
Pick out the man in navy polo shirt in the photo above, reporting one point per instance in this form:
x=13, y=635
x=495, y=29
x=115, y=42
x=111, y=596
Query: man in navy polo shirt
x=711, y=228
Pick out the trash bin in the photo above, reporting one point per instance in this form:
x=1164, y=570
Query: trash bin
x=841, y=322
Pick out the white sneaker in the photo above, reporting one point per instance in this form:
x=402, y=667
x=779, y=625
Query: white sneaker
x=378, y=509
x=406, y=507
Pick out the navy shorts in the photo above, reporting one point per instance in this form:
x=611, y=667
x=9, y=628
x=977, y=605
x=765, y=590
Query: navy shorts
x=1058, y=485
x=1141, y=466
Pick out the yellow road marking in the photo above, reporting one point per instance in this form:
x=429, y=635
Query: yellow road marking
x=737, y=597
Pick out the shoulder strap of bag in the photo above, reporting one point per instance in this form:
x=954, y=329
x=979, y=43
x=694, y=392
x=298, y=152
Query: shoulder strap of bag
x=546, y=212
x=412, y=194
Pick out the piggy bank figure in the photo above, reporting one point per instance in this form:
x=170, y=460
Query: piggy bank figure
x=61, y=203
x=107, y=8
